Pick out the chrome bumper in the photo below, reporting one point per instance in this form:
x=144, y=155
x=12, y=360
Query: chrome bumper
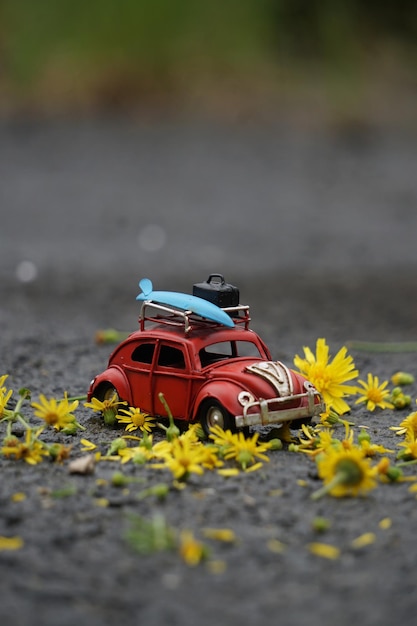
x=264, y=416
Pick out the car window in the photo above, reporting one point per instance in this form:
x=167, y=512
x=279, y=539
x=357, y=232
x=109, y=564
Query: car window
x=143, y=353
x=247, y=348
x=227, y=350
x=169, y=356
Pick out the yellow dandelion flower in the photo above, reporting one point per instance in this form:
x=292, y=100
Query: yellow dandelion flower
x=136, y=419
x=183, y=458
x=56, y=413
x=410, y=449
x=108, y=407
x=371, y=449
x=222, y=438
x=373, y=393
x=100, y=406
x=210, y=458
x=345, y=472
x=192, y=432
x=329, y=377
x=137, y=454
x=246, y=451
x=31, y=450
x=408, y=426
x=317, y=441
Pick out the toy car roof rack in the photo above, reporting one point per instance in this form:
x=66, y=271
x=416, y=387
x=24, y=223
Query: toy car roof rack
x=188, y=319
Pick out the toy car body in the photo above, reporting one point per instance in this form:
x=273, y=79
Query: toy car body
x=206, y=371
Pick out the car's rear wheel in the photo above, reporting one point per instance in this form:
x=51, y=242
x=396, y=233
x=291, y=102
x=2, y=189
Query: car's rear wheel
x=212, y=413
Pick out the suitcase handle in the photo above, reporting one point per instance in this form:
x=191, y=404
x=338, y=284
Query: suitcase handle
x=220, y=276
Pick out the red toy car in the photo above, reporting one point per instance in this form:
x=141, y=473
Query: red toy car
x=207, y=371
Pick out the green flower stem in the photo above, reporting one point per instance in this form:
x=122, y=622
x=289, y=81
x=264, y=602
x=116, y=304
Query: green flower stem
x=22, y=420
x=405, y=463
x=172, y=432
x=341, y=478
x=383, y=346
x=73, y=398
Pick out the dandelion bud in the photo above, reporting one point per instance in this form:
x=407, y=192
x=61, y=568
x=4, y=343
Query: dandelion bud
x=320, y=524
x=401, y=401
x=363, y=436
x=160, y=490
x=116, y=445
x=275, y=444
x=172, y=432
x=394, y=473
x=109, y=416
x=119, y=479
x=71, y=429
x=292, y=447
x=402, y=378
x=140, y=458
x=332, y=417
x=244, y=458
x=397, y=391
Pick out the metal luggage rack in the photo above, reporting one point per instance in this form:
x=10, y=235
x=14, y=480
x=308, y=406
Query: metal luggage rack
x=188, y=319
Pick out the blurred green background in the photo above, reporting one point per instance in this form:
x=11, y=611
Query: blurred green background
x=209, y=56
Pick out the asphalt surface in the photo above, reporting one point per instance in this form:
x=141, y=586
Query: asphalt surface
x=318, y=230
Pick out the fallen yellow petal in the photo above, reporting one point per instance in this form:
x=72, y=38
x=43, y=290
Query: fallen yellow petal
x=232, y=471
x=87, y=445
x=324, y=550
x=276, y=546
x=220, y=534
x=385, y=523
x=19, y=496
x=11, y=543
x=363, y=540
x=217, y=566
x=103, y=502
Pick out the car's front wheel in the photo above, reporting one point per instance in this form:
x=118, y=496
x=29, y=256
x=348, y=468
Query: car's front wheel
x=212, y=413
x=111, y=399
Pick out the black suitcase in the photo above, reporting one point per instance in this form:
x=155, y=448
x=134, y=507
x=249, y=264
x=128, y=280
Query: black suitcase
x=216, y=290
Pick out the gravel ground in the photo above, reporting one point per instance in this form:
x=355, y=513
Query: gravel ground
x=318, y=231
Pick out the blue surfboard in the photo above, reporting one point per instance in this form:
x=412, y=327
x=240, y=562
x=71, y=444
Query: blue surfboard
x=185, y=302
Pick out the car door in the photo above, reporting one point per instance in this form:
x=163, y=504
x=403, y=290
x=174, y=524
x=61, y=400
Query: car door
x=138, y=368
x=171, y=376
